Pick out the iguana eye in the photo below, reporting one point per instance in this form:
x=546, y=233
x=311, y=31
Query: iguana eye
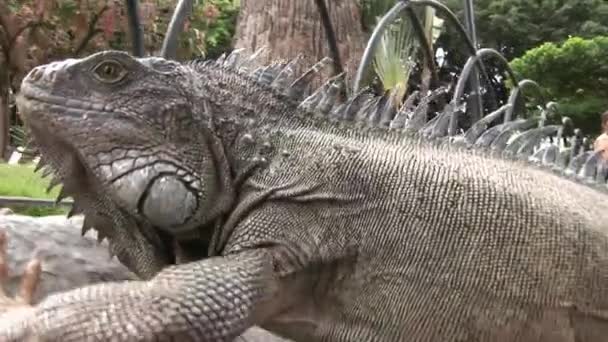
x=109, y=71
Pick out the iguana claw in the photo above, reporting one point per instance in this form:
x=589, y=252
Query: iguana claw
x=16, y=312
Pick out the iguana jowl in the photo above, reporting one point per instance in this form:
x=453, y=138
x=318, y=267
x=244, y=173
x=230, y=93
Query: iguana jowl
x=239, y=204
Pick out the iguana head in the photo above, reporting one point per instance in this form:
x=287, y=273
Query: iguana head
x=130, y=145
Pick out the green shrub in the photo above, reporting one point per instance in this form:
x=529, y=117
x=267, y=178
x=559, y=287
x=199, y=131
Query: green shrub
x=221, y=29
x=21, y=181
x=574, y=74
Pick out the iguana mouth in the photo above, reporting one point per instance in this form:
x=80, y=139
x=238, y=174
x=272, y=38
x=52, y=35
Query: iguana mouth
x=58, y=156
x=69, y=168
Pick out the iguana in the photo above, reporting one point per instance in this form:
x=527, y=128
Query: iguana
x=239, y=201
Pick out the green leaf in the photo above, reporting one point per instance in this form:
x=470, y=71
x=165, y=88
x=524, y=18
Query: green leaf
x=393, y=59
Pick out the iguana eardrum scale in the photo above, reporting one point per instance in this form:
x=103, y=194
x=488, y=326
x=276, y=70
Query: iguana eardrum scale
x=240, y=203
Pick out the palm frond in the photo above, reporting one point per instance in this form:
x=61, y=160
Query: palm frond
x=393, y=61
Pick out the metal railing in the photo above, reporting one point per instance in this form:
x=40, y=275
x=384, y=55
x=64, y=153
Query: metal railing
x=8, y=201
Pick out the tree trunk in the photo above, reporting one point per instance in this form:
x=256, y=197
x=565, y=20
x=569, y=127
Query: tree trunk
x=287, y=28
x=4, y=112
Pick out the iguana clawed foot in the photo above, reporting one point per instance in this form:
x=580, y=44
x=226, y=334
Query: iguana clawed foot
x=29, y=282
x=18, y=308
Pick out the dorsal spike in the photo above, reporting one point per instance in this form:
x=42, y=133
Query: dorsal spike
x=419, y=117
x=258, y=72
x=408, y=104
x=297, y=89
x=286, y=75
x=601, y=172
x=331, y=95
x=221, y=59
x=550, y=154
x=488, y=136
x=524, y=143
x=589, y=168
x=441, y=123
x=233, y=60
x=388, y=113
x=406, y=111
x=367, y=107
x=577, y=163
x=577, y=142
x=269, y=73
x=511, y=129
x=312, y=102
x=352, y=106
x=479, y=127
x=251, y=61
x=562, y=159
x=528, y=139
x=374, y=116
x=537, y=156
x=42, y=162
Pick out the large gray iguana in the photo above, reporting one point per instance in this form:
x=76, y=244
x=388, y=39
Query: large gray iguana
x=240, y=203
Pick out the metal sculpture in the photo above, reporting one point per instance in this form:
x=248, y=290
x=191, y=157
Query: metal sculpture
x=137, y=33
x=474, y=64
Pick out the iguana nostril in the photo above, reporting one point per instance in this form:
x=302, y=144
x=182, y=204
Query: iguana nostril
x=35, y=74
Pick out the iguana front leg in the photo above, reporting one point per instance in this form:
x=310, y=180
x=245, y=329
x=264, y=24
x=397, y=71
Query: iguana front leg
x=215, y=299
x=29, y=281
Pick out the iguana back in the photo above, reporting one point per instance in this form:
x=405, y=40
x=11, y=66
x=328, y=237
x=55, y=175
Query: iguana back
x=435, y=242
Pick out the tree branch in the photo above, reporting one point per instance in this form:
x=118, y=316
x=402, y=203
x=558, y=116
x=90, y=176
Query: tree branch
x=31, y=24
x=4, y=37
x=92, y=31
x=4, y=43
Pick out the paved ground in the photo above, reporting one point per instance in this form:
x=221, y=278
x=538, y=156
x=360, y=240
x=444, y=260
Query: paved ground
x=68, y=259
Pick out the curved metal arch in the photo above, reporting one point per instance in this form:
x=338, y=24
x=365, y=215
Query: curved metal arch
x=515, y=93
x=471, y=63
x=440, y=7
x=427, y=47
x=390, y=16
x=374, y=40
x=450, y=16
x=183, y=7
x=137, y=32
x=169, y=48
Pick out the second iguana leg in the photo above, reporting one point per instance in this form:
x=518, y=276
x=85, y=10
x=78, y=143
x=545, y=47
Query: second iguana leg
x=29, y=282
x=216, y=299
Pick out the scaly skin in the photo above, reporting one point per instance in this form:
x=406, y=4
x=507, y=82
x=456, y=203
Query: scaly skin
x=238, y=208
x=55, y=258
